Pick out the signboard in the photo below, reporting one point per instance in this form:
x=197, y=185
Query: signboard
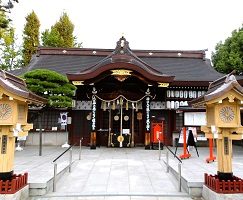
x=63, y=118
x=126, y=131
x=194, y=118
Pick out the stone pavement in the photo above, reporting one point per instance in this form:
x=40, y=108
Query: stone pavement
x=117, y=173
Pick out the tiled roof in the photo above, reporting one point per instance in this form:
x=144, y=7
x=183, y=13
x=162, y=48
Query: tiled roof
x=122, y=57
x=185, y=66
x=217, y=89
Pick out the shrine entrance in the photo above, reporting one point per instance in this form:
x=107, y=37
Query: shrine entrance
x=120, y=127
x=120, y=89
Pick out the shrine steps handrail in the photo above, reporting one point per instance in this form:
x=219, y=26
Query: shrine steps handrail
x=70, y=161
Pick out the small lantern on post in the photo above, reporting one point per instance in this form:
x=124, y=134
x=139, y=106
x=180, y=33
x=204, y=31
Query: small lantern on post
x=223, y=101
x=14, y=100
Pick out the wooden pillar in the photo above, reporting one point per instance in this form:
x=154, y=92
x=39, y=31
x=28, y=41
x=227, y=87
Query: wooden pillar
x=7, y=145
x=121, y=138
x=109, y=130
x=132, y=132
x=224, y=156
x=93, y=140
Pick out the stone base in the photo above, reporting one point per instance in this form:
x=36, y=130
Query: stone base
x=22, y=194
x=225, y=176
x=4, y=176
x=209, y=194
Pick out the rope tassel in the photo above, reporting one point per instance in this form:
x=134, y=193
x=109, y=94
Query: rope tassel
x=114, y=105
x=104, y=106
x=121, y=101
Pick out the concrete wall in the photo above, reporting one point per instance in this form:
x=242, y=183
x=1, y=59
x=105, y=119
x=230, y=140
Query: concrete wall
x=48, y=138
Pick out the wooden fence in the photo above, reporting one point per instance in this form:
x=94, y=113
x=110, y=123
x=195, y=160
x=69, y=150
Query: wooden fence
x=14, y=185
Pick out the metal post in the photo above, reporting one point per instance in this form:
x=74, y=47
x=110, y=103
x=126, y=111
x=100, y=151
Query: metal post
x=80, y=144
x=179, y=176
x=121, y=123
x=54, y=177
x=70, y=160
x=40, y=126
x=159, y=150
x=167, y=161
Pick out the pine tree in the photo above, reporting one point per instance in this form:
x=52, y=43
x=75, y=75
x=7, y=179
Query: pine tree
x=52, y=86
x=30, y=37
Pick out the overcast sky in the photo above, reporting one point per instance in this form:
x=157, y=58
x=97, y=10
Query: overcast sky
x=146, y=24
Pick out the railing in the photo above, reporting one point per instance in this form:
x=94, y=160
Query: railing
x=167, y=162
x=70, y=161
x=14, y=185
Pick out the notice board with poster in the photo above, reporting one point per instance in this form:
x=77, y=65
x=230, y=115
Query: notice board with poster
x=194, y=118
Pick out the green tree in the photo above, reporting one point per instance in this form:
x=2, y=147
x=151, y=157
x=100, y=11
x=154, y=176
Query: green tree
x=10, y=53
x=52, y=38
x=229, y=55
x=4, y=23
x=52, y=86
x=5, y=7
x=31, y=35
x=4, y=20
x=61, y=34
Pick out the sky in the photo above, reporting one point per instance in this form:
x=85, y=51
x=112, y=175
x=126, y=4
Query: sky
x=146, y=24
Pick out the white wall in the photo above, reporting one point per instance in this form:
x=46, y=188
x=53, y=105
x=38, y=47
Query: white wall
x=48, y=138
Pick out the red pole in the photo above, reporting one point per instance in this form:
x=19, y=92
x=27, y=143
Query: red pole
x=211, y=157
x=184, y=138
x=185, y=155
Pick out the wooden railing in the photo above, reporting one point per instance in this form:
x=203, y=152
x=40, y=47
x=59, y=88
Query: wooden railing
x=14, y=185
x=225, y=187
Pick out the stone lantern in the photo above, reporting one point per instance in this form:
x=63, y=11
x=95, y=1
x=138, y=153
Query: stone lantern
x=223, y=120
x=14, y=100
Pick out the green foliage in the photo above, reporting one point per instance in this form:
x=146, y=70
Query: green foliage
x=229, y=55
x=65, y=27
x=5, y=7
x=4, y=23
x=61, y=34
x=50, y=85
x=4, y=20
x=52, y=38
x=9, y=51
x=31, y=37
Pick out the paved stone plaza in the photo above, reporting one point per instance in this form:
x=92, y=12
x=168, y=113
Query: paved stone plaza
x=117, y=173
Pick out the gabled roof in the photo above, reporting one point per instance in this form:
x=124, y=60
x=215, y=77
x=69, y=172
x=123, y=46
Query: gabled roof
x=189, y=68
x=121, y=58
x=217, y=89
x=16, y=86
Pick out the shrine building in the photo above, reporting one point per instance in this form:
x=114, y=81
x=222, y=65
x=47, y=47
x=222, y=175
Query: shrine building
x=123, y=93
